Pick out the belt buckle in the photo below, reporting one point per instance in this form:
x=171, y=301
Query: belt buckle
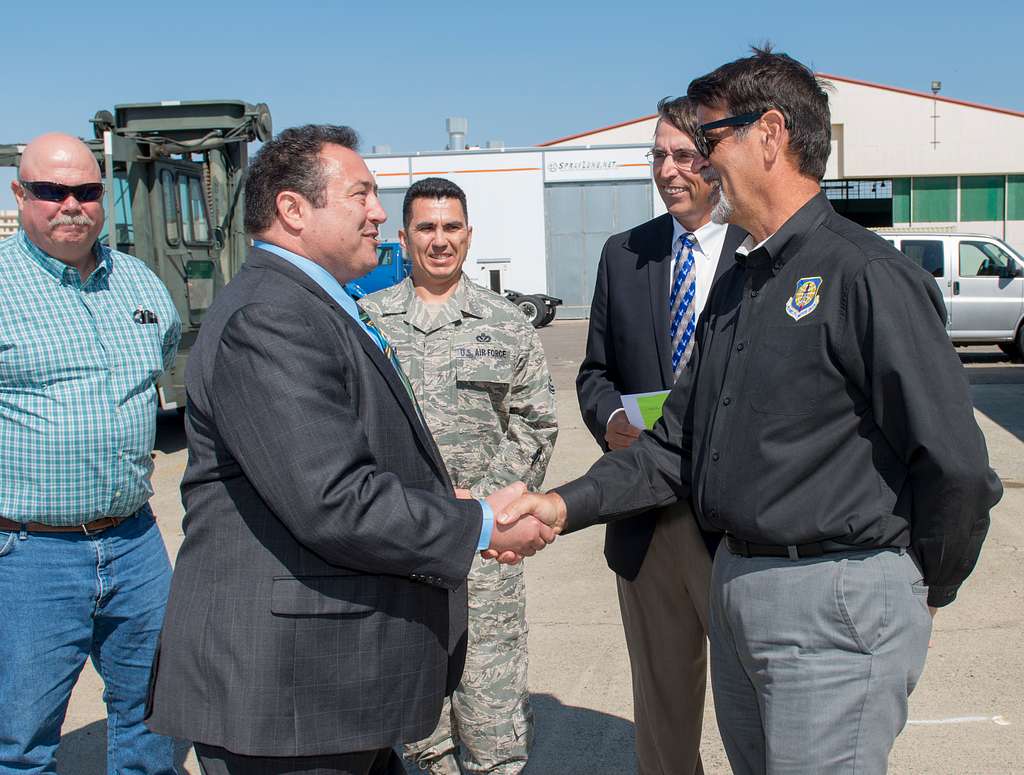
x=794, y=553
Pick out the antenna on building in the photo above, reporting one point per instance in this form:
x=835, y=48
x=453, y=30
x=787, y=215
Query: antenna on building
x=457, y=128
x=936, y=88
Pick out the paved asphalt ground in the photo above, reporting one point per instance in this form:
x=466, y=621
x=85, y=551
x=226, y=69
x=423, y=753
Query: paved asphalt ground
x=967, y=715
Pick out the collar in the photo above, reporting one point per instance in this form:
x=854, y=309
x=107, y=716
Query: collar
x=709, y=237
x=773, y=252
x=465, y=299
x=316, y=273
x=67, y=275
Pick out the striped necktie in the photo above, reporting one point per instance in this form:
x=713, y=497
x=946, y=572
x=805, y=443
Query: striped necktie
x=682, y=304
x=389, y=353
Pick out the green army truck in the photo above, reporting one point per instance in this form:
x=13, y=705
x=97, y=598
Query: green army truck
x=174, y=173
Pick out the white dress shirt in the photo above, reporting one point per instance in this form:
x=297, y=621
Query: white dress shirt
x=709, y=238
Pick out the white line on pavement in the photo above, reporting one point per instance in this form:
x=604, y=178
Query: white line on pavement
x=961, y=720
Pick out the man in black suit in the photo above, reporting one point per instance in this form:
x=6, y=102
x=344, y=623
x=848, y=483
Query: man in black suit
x=317, y=614
x=652, y=282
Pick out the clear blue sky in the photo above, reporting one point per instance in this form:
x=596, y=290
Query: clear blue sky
x=534, y=72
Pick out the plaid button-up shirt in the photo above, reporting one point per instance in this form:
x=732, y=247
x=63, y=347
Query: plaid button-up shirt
x=78, y=383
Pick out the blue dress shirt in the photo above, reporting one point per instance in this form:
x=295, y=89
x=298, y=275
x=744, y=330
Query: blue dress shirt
x=336, y=291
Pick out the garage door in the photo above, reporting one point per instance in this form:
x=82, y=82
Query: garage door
x=579, y=217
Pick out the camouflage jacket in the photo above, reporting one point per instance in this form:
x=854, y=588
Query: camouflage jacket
x=479, y=373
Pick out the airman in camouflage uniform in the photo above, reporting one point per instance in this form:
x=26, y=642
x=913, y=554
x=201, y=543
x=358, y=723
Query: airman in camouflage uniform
x=479, y=374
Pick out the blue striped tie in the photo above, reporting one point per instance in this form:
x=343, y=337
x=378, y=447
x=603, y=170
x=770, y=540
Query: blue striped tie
x=682, y=304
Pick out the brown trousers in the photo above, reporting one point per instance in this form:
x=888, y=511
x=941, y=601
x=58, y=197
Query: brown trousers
x=665, y=618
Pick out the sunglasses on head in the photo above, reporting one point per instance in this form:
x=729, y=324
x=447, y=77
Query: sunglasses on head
x=58, y=192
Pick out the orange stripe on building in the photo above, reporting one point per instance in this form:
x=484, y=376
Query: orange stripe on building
x=462, y=172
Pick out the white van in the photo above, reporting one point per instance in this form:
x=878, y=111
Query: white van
x=981, y=279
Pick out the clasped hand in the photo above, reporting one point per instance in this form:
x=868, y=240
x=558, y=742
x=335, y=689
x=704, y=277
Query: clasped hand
x=524, y=522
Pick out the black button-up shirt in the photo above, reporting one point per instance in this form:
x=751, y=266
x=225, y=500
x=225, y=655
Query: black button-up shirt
x=827, y=404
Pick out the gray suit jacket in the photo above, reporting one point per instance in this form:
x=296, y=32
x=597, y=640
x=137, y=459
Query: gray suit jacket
x=318, y=601
x=629, y=351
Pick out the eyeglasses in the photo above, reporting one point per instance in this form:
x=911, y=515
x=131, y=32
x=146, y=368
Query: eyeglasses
x=58, y=192
x=706, y=145
x=681, y=158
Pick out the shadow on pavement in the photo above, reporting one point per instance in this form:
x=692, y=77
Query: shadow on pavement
x=170, y=431
x=83, y=751
x=579, y=741
x=574, y=741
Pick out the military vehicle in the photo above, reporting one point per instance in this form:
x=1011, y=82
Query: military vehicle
x=174, y=174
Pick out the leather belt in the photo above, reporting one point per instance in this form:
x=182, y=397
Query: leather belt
x=89, y=528
x=800, y=551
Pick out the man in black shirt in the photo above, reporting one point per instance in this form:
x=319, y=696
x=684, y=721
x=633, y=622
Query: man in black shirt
x=829, y=433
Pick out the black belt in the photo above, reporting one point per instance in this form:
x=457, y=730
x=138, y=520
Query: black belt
x=797, y=552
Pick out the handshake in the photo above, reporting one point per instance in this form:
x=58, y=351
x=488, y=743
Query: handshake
x=524, y=522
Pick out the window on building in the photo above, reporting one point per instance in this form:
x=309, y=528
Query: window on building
x=927, y=253
x=934, y=199
x=385, y=255
x=901, y=200
x=1015, y=197
x=981, y=197
x=985, y=259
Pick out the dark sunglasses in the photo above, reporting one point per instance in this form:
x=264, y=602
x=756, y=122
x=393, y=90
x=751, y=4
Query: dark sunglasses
x=58, y=192
x=706, y=145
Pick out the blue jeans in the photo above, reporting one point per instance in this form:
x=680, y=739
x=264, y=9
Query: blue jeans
x=66, y=597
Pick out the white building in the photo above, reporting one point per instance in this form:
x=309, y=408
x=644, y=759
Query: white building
x=899, y=158
x=8, y=223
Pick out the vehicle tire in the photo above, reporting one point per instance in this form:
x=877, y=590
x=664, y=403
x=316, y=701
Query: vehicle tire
x=533, y=309
x=1011, y=349
x=549, y=315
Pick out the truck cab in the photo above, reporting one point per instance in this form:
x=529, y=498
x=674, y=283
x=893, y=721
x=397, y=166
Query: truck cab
x=174, y=175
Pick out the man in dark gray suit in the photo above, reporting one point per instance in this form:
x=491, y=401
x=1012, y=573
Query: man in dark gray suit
x=636, y=331
x=317, y=614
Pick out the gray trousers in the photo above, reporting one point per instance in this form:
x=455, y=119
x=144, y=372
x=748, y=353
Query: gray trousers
x=812, y=661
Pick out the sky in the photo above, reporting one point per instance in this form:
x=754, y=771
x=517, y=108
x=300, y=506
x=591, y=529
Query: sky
x=524, y=73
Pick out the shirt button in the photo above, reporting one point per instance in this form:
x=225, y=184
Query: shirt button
x=713, y=514
x=753, y=293
x=714, y=456
x=726, y=401
x=117, y=494
x=776, y=266
x=739, y=346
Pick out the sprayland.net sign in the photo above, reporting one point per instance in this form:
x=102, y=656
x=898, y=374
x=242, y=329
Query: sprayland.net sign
x=582, y=164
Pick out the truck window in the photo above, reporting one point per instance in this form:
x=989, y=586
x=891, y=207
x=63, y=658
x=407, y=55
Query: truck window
x=194, y=223
x=927, y=253
x=201, y=225
x=984, y=259
x=170, y=207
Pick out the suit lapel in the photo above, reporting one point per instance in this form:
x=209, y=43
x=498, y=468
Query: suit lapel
x=657, y=255
x=262, y=258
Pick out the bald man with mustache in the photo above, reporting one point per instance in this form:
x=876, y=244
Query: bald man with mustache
x=84, y=333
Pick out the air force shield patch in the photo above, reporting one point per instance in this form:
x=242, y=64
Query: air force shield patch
x=805, y=298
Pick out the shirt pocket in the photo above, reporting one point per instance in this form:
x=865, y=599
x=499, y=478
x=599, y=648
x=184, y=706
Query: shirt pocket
x=141, y=353
x=785, y=376
x=483, y=385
